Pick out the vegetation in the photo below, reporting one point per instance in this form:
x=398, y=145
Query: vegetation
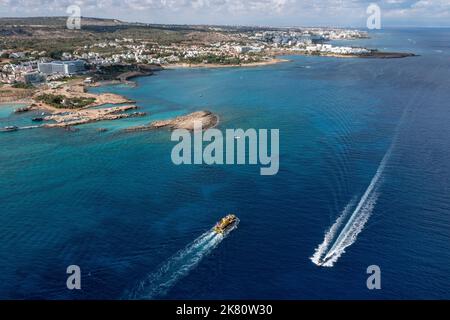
x=56, y=54
x=21, y=85
x=41, y=33
x=8, y=93
x=63, y=102
x=49, y=37
x=219, y=59
x=112, y=72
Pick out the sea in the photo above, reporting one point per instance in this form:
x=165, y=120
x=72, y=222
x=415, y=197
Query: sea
x=364, y=180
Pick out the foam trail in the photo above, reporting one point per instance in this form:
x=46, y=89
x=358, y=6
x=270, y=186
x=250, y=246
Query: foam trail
x=157, y=284
x=330, y=235
x=354, y=225
x=359, y=217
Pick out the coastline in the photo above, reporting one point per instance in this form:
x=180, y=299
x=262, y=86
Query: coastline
x=132, y=83
x=103, y=83
x=371, y=55
x=214, y=65
x=10, y=95
x=79, y=89
x=14, y=102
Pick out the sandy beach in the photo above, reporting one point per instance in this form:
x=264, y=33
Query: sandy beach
x=24, y=101
x=213, y=65
x=68, y=117
x=11, y=95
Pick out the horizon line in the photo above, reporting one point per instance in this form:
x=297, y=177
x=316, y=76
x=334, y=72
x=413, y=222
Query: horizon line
x=391, y=26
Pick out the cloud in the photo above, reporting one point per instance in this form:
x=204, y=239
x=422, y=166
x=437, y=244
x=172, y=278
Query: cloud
x=330, y=12
x=226, y=5
x=420, y=9
x=230, y=5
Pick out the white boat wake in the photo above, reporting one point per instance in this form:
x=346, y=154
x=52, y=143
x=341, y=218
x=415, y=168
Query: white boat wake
x=332, y=247
x=157, y=284
x=330, y=235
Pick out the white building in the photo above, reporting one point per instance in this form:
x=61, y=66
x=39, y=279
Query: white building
x=62, y=67
x=33, y=77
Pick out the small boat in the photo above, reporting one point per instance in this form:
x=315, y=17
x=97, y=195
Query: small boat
x=23, y=109
x=225, y=223
x=10, y=128
x=37, y=119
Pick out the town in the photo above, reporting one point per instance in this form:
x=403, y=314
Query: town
x=222, y=46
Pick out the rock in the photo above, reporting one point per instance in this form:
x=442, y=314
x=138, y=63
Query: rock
x=207, y=119
x=68, y=119
x=386, y=55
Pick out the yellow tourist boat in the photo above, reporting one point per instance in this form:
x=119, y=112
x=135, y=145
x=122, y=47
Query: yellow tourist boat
x=225, y=223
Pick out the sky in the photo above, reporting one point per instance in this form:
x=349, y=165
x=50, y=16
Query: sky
x=342, y=13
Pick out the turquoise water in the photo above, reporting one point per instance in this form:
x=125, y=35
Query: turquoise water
x=114, y=204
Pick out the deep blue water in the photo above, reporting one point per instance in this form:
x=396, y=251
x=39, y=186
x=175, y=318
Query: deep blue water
x=114, y=204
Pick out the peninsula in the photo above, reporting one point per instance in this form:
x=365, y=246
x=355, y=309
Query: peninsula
x=74, y=118
x=205, y=117
x=50, y=68
x=42, y=50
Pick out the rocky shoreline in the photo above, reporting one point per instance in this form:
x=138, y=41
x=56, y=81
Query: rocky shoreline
x=76, y=89
x=387, y=55
x=205, y=117
x=374, y=54
x=75, y=118
x=67, y=114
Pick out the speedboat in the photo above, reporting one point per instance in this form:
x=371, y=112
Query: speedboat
x=10, y=128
